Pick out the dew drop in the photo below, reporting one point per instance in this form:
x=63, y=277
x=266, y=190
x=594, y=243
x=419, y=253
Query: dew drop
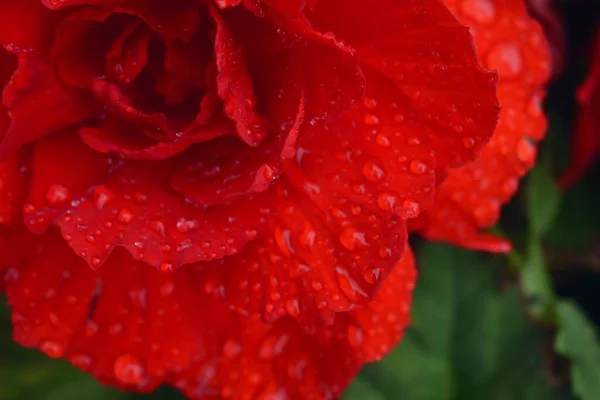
x=272, y=346
x=507, y=59
x=510, y=186
x=382, y=140
x=468, y=142
x=102, y=196
x=57, y=195
x=526, y=151
x=125, y=216
x=158, y=226
x=372, y=275
x=373, y=172
x=387, y=201
x=128, y=369
x=369, y=103
x=186, y=225
x=411, y=207
x=51, y=348
x=371, y=119
x=293, y=307
x=166, y=267
x=413, y=141
x=82, y=361
x=482, y=11
x=352, y=239
x=418, y=167
x=355, y=335
x=317, y=286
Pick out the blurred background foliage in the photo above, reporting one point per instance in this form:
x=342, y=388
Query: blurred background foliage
x=522, y=326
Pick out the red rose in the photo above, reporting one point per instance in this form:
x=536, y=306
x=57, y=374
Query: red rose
x=237, y=176
x=513, y=44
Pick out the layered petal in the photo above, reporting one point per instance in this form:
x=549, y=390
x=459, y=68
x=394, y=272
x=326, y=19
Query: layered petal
x=27, y=24
x=34, y=89
x=102, y=201
x=424, y=53
x=338, y=224
x=512, y=43
x=136, y=328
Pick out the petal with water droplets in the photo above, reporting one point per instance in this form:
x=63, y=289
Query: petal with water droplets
x=471, y=197
x=137, y=328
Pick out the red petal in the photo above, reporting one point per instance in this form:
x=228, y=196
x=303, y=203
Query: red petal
x=235, y=84
x=226, y=170
x=35, y=90
x=26, y=24
x=470, y=199
x=176, y=19
x=190, y=61
x=423, y=52
x=335, y=233
x=128, y=54
x=100, y=202
x=135, y=328
x=129, y=141
x=585, y=140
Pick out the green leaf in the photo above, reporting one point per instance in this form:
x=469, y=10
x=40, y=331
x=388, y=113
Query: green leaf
x=536, y=283
x=543, y=200
x=468, y=340
x=577, y=340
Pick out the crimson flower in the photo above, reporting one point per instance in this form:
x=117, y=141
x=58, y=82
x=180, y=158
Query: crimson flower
x=214, y=194
x=512, y=43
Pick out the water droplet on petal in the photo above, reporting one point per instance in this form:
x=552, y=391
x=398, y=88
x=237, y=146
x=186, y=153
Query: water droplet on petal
x=468, y=142
x=355, y=335
x=373, y=172
x=387, y=201
x=82, y=361
x=418, y=167
x=102, y=196
x=526, y=151
x=125, y=216
x=51, y=348
x=166, y=267
x=352, y=239
x=382, y=140
x=369, y=103
x=57, y=195
x=412, y=208
x=507, y=59
x=293, y=307
x=128, y=369
x=186, y=225
x=272, y=346
x=372, y=275
x=371, y=119
x=482, y=11
x=95, y=261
